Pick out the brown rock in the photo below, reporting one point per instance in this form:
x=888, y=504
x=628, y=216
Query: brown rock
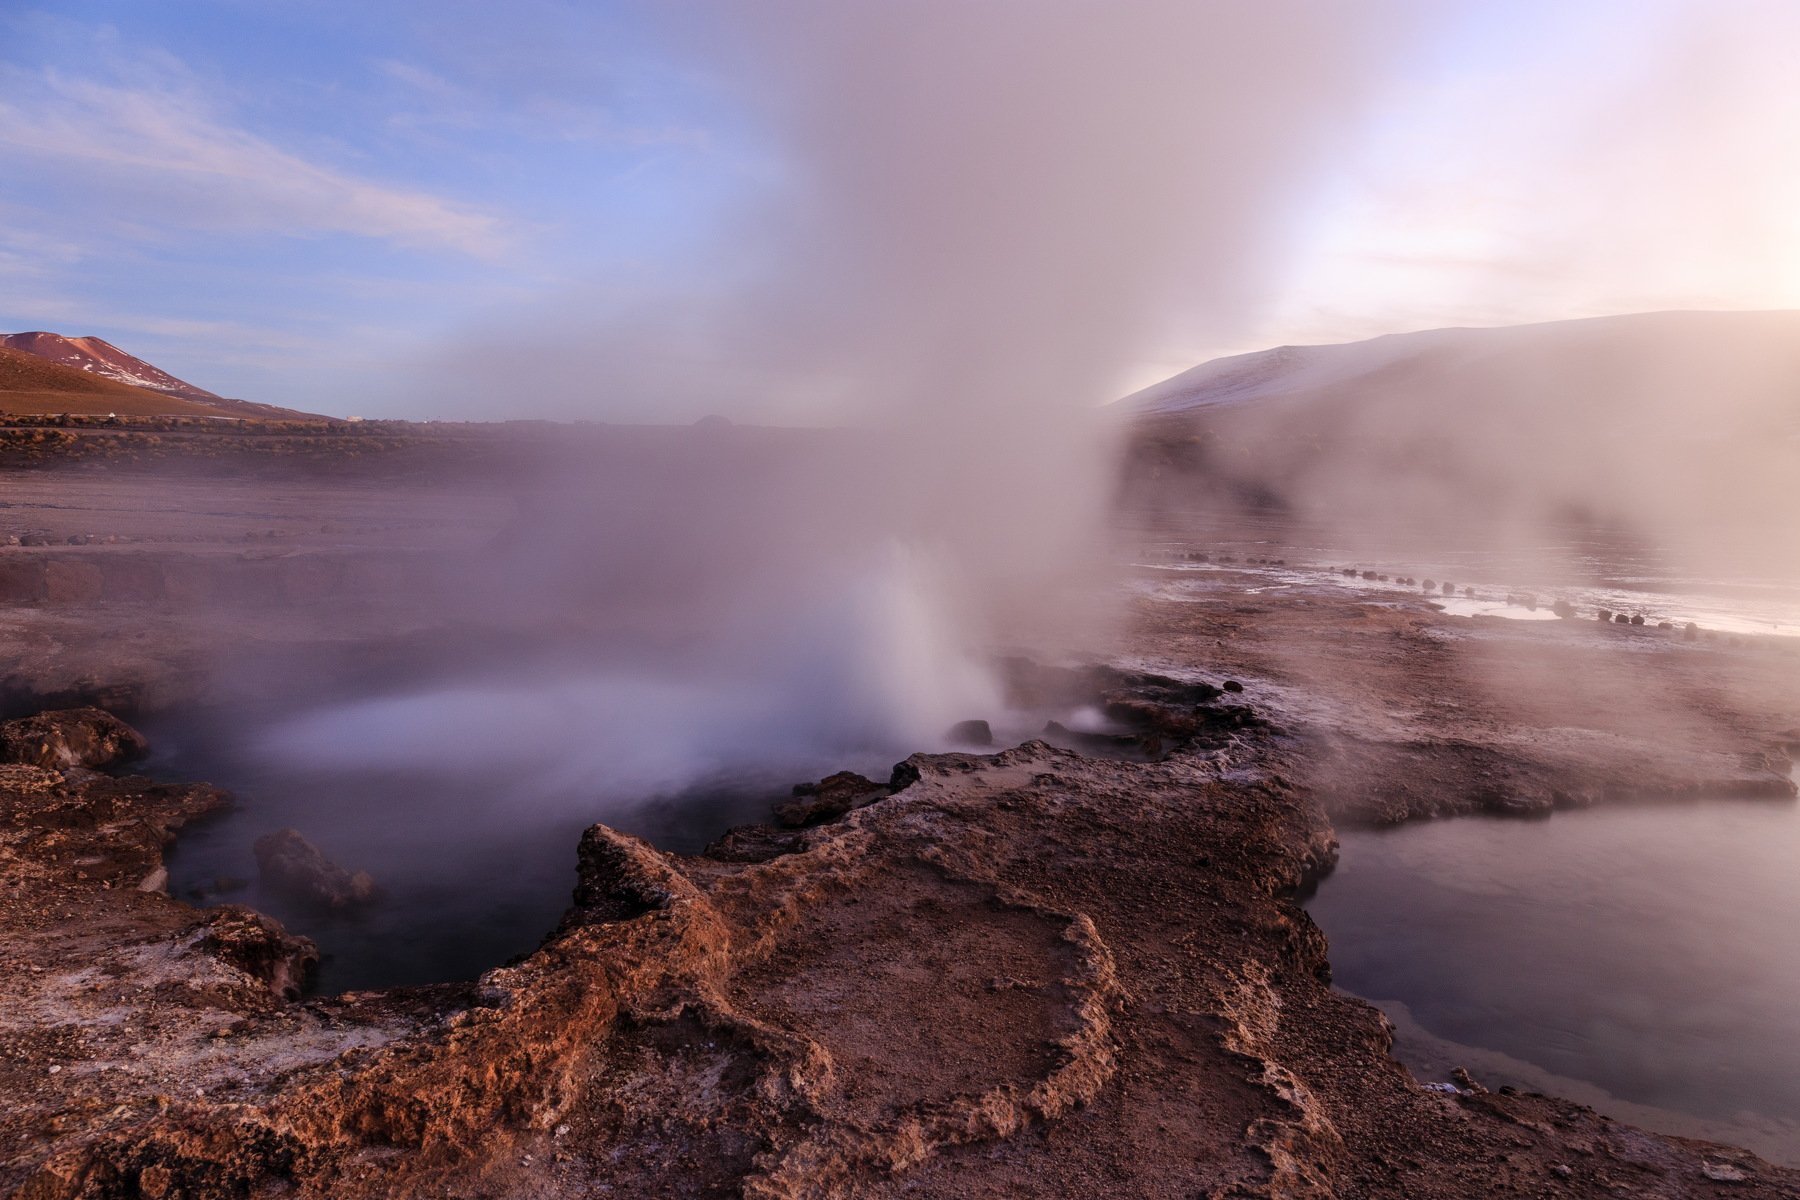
x=830, y=798
x=259, y=946
x=74, y=737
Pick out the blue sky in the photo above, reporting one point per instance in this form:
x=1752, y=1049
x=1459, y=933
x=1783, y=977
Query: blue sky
x=298, y=201
x=274, y=198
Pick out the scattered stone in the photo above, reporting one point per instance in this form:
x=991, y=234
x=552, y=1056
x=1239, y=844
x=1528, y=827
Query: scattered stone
x=1232, y=685
x=1563, y=609
x=971, y=733
x=1606, y=615
x=1637, y=619
x=1723, y=1172
x=295, y=868
x=1621, y=619
x=155, y=881
x=1690, y=632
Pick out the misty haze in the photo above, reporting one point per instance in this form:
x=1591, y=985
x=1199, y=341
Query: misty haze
x=939, y=598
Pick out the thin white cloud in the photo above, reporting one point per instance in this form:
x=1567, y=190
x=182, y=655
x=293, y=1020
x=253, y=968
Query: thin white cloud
x=173, y=150
x=442, y=104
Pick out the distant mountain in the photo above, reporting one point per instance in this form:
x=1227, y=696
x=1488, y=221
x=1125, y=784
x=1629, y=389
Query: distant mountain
x=1662, y=419
x=47, y=372
x=1627, y=360
x=101, y=358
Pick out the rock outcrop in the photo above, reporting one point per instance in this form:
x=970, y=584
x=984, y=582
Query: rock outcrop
x=76, y=737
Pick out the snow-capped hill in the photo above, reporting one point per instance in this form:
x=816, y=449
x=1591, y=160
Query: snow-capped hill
x=104, y=360
x=1622, y=362
x=1239, y=379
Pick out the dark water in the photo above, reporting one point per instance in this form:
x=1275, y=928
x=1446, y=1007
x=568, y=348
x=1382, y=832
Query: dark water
x=476, y=860
x=1645, y=960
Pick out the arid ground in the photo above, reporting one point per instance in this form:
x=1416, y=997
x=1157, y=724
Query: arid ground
x=1037, y=972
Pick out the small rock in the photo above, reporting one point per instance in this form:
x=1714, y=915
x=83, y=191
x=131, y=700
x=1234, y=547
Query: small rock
x=1722, y=1172
x=155, y=881
x=1466, y=1081
x=1562, y=1170
x=1232, y=685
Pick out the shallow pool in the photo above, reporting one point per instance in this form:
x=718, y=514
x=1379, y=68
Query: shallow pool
x=1644, y=960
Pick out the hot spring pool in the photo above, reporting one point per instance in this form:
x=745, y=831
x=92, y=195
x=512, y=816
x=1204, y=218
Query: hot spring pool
x=466, y=805
x=1643, y=960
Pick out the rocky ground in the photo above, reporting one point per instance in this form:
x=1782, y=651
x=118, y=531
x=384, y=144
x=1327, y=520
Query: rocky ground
x=1035, y=972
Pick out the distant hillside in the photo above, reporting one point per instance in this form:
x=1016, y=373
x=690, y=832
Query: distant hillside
x=1624, y=360
x=49, y=373
x=1655, y=418
x=101, y=358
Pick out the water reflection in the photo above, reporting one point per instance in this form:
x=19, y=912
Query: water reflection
x=1645, y=960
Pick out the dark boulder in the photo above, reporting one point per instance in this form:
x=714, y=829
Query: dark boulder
x=293, y=867
x=971, y=733
x=1563, y=609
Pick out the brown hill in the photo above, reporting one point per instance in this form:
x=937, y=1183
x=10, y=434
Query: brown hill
x=43, y=373
x=96, y=356
x=34, y=386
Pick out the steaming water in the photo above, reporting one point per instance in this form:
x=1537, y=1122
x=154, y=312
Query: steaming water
x=466, y=804
x=464, y=794
x=1642, y=960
